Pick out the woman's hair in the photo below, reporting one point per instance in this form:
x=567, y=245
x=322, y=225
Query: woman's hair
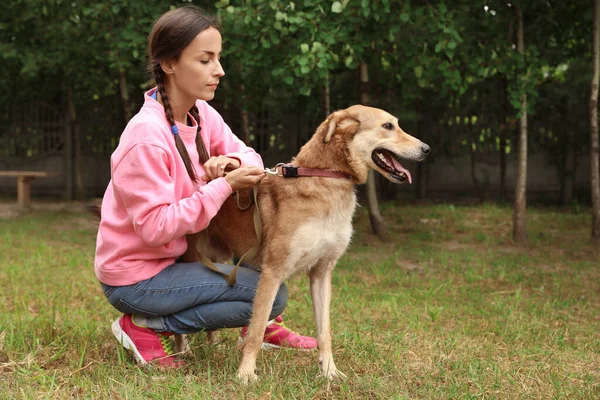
x=171, y=33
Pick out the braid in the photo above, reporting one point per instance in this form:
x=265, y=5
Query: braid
x=159, y=77
x=202, y=152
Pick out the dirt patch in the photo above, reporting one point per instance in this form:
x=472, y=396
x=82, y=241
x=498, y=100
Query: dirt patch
x=8, y=211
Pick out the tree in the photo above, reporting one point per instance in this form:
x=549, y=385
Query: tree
x=519, y=227
x=593, y=107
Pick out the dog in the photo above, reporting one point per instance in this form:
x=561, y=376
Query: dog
x=307, y=221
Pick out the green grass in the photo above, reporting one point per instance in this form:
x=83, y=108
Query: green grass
x=450, y=308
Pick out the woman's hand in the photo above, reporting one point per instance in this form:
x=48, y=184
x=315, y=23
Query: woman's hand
x=243, y=178
x=216, y=167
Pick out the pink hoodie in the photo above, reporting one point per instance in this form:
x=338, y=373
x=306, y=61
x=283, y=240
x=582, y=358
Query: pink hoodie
x=151, y=203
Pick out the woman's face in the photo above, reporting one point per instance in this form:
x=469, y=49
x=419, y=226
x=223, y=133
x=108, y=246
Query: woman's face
x=197, y=71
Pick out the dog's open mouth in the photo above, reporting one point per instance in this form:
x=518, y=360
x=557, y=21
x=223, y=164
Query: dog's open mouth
x=390, y=163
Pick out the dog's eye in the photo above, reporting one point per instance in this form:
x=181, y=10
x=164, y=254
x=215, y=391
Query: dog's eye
x=388, y=126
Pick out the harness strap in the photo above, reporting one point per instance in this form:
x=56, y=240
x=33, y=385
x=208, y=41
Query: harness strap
x=232, y=277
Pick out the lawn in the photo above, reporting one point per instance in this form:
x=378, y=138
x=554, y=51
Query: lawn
x=450, y=308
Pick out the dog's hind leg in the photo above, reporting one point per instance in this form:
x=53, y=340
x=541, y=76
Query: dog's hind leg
x=320, y=291
x=211, y=337
x=266, y=292
x=181, y=343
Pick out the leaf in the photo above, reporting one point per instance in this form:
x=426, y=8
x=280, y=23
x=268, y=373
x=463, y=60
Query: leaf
x=349, y=61
x=304, y=47
x=418, y=71
x=337, y=7
x=305, y=90
x=404, y=17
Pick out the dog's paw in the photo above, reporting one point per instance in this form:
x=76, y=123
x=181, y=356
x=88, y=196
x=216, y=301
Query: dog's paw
x=334, y=375
x=329, y=370
x=246, y=377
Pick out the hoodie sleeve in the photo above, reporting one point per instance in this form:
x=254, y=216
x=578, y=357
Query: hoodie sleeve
x=142, y=180
x=224, y=142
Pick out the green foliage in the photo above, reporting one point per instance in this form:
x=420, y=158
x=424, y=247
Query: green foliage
x=427, y=60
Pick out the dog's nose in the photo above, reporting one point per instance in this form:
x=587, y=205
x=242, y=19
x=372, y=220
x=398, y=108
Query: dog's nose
x=425, y=149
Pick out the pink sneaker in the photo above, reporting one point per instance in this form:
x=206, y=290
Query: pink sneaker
x=146, y=344
x=278, y=335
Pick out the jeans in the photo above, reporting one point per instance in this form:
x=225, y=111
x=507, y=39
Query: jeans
x=188, y=298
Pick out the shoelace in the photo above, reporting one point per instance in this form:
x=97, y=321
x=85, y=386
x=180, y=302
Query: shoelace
x=166, y=344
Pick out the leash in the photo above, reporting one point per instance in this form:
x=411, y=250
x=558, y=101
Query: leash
x=232, y=276
x=287, y=171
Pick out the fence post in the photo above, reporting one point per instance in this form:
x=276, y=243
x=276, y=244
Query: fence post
x=68, y=150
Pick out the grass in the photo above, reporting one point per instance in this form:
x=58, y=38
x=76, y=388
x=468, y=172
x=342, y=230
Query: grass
x=450, y=308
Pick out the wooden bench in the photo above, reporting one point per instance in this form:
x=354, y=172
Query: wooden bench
x=24, y=179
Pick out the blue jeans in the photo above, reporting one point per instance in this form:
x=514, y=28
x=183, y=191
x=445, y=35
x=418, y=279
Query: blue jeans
x=188, y=298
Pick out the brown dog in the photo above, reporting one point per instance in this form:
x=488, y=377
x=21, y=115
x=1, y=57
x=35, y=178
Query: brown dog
x=307, y=221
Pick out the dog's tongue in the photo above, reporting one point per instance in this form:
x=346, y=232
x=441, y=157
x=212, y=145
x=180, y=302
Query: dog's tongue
x=400, y=168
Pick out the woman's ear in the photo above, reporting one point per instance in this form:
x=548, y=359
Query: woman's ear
x=168, y=66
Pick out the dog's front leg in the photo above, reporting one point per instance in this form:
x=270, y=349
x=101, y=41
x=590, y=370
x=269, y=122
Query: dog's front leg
x=266, y=292
x=320, y=290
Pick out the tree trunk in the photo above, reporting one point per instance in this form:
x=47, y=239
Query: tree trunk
x=244, y=115
x=503, y=115
x=422, y=166
x=372, y=203
x=503, y=107
x=422, y=171
x=124, y=93
x=76, y=140
x=568, y=181
x=594, y=149
x=472, y=152
x=326, y=98
x=519, y=228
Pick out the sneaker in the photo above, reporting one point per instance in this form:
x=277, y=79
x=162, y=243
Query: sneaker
x=147, y=345
x=277, y=335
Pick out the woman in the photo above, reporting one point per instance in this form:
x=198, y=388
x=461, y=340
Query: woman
x=168, y=179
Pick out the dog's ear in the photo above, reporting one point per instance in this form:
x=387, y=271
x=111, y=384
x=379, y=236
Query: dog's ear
x=335, y=120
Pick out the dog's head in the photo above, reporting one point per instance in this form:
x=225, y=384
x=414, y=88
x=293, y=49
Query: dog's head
x=374, y=140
